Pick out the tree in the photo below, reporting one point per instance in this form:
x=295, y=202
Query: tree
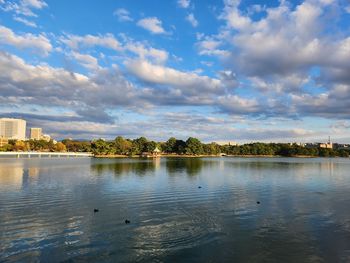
x=60, y=147
x=21, y=146
x=122, y=146
x=150, y=146
x=180, y=147
x=211, y=148
x=170, y=145
x=77, y=146
x=194, y=146
x=101, y=147
x=139, y=145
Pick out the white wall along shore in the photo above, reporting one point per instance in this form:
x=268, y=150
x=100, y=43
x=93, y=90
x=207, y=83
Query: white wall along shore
x=43, y=154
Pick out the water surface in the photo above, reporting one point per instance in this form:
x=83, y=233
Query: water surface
x=195, y=209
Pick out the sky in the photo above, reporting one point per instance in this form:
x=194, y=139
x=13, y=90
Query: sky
x=218, y=70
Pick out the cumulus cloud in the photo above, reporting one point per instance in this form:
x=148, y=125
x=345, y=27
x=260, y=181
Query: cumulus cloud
x=279, y=52
x=39, y=43
x=123, y=15
x=289, y=61
x=109, y=41
x=236, y=105
x=85, y=60
x=210, y=46
x=75, y=42
x=189, y=83
x=184, y=3
x=144, y=52
x=43, y=85
x=92, y=96
x=192, y=20
x=23, y=7
x=152, y=24
x=332, y=105
x=284, y=31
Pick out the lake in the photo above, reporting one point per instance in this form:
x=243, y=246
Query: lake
x=180, y=210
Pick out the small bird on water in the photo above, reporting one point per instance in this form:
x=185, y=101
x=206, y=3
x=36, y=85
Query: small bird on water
x=127, y=221
x=258, y=202
x=96, y=210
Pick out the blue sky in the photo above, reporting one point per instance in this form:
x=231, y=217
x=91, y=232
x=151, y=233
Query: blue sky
x=224, y=70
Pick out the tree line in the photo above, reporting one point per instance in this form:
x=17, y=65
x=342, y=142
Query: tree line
x=192, y=146
x=33, y=145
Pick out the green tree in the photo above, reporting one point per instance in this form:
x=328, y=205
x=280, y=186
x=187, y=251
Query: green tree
x=101, y=147
x=211, y=149
x=139, y=145
x=194, y=146
x=170, y=145
x=150, y=146
x=122, y=146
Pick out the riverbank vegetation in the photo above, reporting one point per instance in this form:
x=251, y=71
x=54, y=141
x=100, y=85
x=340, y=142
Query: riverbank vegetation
x=173, y=147
x=33, y=145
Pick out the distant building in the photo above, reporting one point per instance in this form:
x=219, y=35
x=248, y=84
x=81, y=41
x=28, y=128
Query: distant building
x=3, y=141
x=36, y=133
x=13, y=129
x=341, y=146
x=230, y=143
x=155, y=153
x=301, y=144
x=46, y=137
x=327, y=145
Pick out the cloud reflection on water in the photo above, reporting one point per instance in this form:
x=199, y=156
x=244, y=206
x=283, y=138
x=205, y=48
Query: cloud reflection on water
x=46, y=209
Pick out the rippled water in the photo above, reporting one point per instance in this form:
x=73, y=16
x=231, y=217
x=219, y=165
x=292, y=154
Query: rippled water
x=181, y=210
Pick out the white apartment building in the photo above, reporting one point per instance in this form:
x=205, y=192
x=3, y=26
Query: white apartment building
x=36, y=133
x=13, y=129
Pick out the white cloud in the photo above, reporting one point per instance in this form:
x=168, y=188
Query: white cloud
x=211, y=47
x=190, y=82
x=107, y=40
x=142, y=50
x=24, y=7
x=156, y=55
x=263, y=48
x=347, y=9
x=85, y=60
x=25, y=21
x=43, y=85
x=152, y=24
x=193, y=21
x=256, y=8
x=236, y=105
x=123, y=15
x=184, y=3
x=38, y=4
x=39, y=42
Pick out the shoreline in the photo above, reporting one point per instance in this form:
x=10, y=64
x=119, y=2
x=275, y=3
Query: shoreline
x=118, y=156
x=121, y=156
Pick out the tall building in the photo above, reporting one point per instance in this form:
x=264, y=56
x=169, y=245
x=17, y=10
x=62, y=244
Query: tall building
x=36, y=133
x=13, y=129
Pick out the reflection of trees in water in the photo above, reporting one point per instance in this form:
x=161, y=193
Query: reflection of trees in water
x=301, y=166
x=119, y=168
x=192, y=166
